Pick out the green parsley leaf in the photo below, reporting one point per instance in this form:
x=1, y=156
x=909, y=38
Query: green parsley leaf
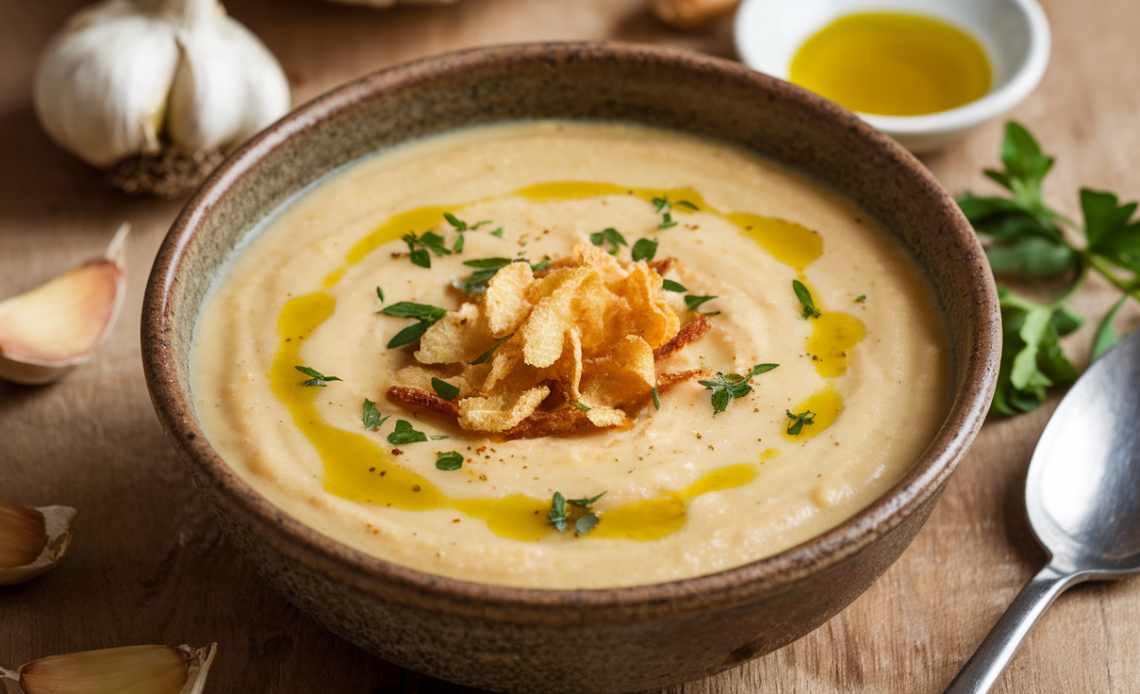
x=459, y=225
x=580, y=406
x=371, y=417
x=1031, y=357
x=438, y=438
x=457, y=247
x=318, y=379
x=1109, y=232
x=420, y=257
x=1106, y=335
x=380, y=293
x=540, y=265
x=444, y=389
x=497, y=233
x=452, y=460
x=487, y=355
x=656, y=400
x=407, y=309
x=644, y=249
x=404, y=433
x=585, y=503
x=671, y=286
x=610, y=235
x=726, y=388
x=692, y=301
x=585, y=524
x=429, y=240
x=557, y=513
x=660, y=204
x=686, y=203
x=667, y=221
x=409, y=334
x=804, y=296
x=799, y=419
x=861, y=298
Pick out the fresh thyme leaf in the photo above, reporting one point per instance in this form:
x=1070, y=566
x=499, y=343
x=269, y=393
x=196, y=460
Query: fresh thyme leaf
x=656, y=399
x=799, y=419
x=457, y=247
x=488, y=263
x=802, y=293
x=404, y=433
x=487, y=355
x=409, y=334
x=585, y=503
x=408, y=309
x=458, y=224
x=540, y=265
x=644, y=249
x=371, y=417
x=420, y=257
x=1106, y=335
x=380, y=293
x=671, y=286
x=580, y=406
x=435, y=242
x=585, y=524
x=557, y=513
x=692, y=301
x=667, y=221
x=726, y=388
x=438, y=438
x=444, y=389
x=610, y=235
x=452, y=460
x=861, y=298
x=710, y=314
x=318, y=379
x=686, y=203
x=660, y=204
x=497, y=233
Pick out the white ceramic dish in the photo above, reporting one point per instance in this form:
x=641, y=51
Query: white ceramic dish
x=1014, y=33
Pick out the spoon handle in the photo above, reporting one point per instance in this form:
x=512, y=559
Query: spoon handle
x=988, y=662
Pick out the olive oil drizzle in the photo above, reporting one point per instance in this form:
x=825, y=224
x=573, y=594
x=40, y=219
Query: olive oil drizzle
x=359, y=468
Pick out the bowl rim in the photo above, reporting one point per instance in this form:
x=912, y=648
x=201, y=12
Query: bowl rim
x=371, y=574
x=1023, y=80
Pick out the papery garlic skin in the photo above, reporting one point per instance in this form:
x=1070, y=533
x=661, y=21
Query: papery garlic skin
x=129, y=77
x=57, y=528
x=48, y=331
x=141, y=669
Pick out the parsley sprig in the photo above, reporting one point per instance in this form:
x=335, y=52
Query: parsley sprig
x=418, y=246
x=611, y=236
x=461, y=227
x=662, y=206
x=799, y=419
x=560, y=515
x=644, y=249
x=425, y=315
x=1024, y=238
x=726, y=388
x=371, y=416
x=802, y=293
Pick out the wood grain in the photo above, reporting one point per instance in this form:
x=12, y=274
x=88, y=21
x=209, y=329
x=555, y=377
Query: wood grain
x=148, y=565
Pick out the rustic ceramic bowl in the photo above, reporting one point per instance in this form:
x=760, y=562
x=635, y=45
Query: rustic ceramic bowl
x=514, y=639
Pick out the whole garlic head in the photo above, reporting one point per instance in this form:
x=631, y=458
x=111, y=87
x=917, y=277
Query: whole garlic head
x=150, y=77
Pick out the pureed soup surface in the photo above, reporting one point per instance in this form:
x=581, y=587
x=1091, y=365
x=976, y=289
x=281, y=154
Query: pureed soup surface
x=686, y=493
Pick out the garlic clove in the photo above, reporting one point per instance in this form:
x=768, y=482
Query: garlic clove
x=214, y=106
x=32, y=540
x=48, y=331
x=102, y=84
x=134, y=669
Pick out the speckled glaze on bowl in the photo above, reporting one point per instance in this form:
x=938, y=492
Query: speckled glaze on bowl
x=527, y=640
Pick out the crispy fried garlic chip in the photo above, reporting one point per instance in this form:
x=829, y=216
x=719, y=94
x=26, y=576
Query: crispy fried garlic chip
x=571, y=347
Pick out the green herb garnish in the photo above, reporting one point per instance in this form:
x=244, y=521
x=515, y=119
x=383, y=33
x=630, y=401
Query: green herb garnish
x=656, y=400
x=686, y=203
x=671, y=286
x=497, y=233
x=557, y=513
x=799, y=420
x=371, y=417
x=429, y=240
x=404, y=433
x=608, y=235
x=585, y=503
x=802, y=293
x=666, y=221
x=559, y=516
x=692, y=301
x=380, y=293
x=861, y=298
x=426, y=315
x=452, y=460
x=585, y=524
x=462, y=226
x=580, y=406
x=662, y=205
x=487, y=355
x=318, y=379
x=726, y=388
x=444, y=389
x=644, y=249
x=1023, y=237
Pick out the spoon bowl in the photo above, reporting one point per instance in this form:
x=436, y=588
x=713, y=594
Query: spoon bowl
x=1082, y=496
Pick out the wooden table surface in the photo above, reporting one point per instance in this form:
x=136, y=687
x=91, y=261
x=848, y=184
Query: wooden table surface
x=148, y=564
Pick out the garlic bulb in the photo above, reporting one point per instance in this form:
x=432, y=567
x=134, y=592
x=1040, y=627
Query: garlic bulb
x=48, y=331
x=136, y=669
x=160, y=79
x=390, y=3
x=32, y=540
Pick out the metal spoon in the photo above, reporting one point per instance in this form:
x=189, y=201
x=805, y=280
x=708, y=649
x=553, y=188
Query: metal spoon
x=1083, y=499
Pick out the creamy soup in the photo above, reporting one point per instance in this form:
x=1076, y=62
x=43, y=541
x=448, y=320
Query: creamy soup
x=859, y=391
